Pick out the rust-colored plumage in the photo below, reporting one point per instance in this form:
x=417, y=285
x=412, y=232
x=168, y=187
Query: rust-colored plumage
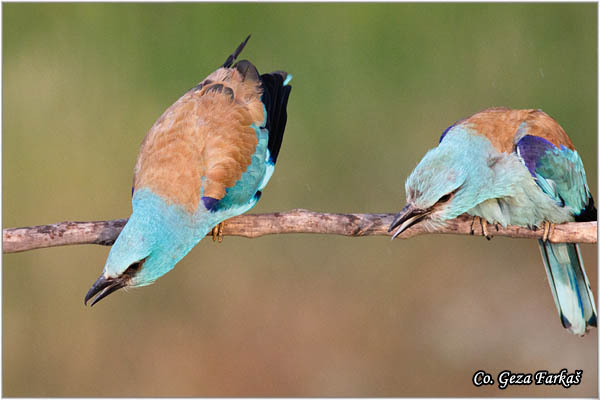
x=510, y=167
x=204, y=139
x=501, y=126
x=206, y=159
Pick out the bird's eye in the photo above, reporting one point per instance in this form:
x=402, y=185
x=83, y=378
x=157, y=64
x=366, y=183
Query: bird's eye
x=445, y=198
x=134, y=268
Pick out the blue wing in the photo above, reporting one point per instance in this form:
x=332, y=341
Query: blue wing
x=560, y=174
x=246, y=192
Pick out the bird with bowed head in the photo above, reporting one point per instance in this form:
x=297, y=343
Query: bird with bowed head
x=510, y=167
x=206, y=159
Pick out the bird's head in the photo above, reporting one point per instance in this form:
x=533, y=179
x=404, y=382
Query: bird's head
x=445, y=184
x=154, y=239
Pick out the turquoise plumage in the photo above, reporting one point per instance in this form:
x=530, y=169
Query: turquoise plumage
x=206, y=159
x=511, y=167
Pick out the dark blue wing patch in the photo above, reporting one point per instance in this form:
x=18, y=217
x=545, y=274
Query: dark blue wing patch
x=446, y=131
x=531, y=149
x=210, y=203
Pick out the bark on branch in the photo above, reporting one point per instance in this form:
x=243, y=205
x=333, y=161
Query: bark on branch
x=295, y=221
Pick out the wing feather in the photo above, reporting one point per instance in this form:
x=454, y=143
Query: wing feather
x=559, y=172
x=203, y=143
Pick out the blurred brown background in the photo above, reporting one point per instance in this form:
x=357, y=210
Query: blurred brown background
x=297, y=315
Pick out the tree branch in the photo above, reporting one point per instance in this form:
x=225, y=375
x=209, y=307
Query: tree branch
x=295, y=221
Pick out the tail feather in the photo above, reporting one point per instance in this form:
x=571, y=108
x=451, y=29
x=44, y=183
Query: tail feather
x=569, y=284
x=235, y=54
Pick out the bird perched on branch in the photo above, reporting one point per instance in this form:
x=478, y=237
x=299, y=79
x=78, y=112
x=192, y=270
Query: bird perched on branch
x=206, y=159
x=510, y=167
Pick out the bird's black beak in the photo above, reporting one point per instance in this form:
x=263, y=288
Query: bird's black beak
x=409, y=216
x=103, y=287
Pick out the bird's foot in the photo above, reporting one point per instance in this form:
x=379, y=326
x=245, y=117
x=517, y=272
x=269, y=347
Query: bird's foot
x=483, y=224
x=217, y=232
x=548, y=231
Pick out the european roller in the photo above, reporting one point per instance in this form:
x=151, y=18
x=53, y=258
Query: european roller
x=510, y=167
x=206, y=159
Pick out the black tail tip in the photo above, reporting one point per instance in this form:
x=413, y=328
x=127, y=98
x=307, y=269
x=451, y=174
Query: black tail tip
x=592, y=321
x=229, y=62
x=565, y=322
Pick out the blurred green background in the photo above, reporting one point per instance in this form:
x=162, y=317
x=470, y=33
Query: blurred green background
x=296, y=315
